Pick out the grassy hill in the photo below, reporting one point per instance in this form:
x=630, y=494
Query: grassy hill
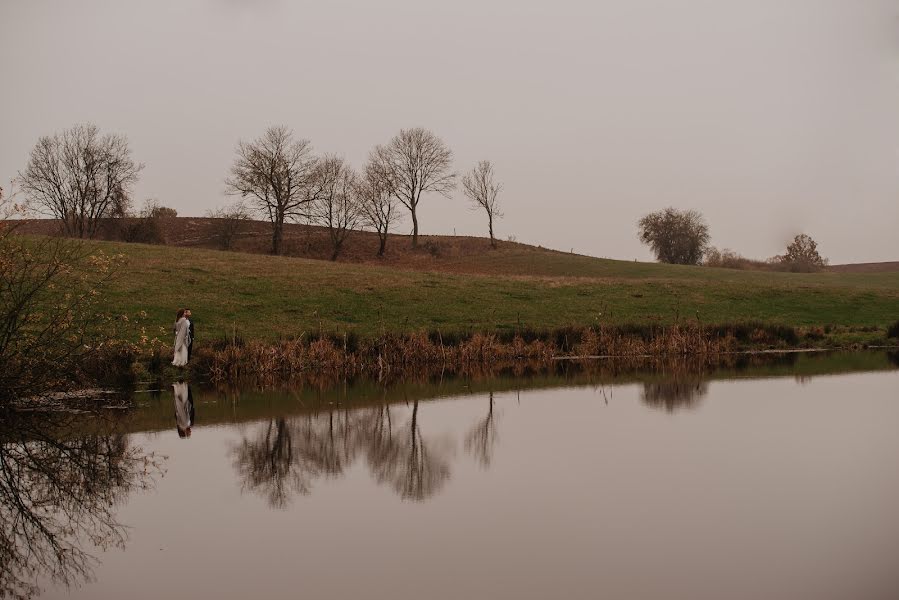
x=267, y=297
x=458, y=284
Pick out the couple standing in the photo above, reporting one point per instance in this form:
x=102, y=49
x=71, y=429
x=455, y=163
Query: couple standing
x=184, y=337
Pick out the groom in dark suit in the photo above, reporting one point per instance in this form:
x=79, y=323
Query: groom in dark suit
x=190, y=344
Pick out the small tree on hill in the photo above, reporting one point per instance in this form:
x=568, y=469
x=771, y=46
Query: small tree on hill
x=336, y=205
x=419, y=162
x=228, y=223
x=379, y=207
x=676, y=236
x=482, y=189
x=802, y=255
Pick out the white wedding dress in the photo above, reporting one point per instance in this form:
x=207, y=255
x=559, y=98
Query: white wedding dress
x=182, y=339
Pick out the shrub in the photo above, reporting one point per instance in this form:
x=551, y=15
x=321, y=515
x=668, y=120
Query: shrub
x=676, y=236
x=145, y=228
x=801, y=256
x=893, y=330
x=229, y=223
x=728, y=259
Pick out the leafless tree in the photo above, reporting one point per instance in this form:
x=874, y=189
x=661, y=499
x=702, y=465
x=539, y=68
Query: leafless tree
x=50, y=320
x=80, y=176
x=419, y=162
x=679, y=237
x=375, y=192
x=335, y=204
x=228, y=223
x=274, y=172
x=481, y=188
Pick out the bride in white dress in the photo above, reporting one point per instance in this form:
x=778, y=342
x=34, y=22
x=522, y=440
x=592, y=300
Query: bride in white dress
x=182, y=339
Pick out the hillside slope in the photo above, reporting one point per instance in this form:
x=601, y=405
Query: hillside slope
x=268, y=297
x=460, y=254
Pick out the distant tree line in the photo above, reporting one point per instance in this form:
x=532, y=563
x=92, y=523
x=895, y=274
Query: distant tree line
x=681, y=237
x=84, y=178
x=285, y=182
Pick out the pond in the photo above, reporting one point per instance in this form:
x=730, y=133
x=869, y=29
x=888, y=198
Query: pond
x=777, y=480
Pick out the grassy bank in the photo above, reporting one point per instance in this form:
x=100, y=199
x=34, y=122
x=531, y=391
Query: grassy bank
x=268, y=298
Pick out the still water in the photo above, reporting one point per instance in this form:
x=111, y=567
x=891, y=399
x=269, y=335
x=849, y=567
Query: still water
x=763, y=483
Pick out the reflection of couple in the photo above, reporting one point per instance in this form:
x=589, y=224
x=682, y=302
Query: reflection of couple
x=184, y=408
x=184, y=337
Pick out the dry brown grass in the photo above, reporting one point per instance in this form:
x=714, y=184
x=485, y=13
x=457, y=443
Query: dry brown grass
x=398, y=356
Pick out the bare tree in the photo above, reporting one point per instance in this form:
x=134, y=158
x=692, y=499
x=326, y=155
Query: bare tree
x=481, y=188
x=80, y=177
x=375, y=192
x=419, y=162
x=334, y=202
x=678, y=237
x=228, y=223
x=274, y=172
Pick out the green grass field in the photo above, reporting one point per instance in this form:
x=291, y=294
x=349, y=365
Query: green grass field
x=265, y=297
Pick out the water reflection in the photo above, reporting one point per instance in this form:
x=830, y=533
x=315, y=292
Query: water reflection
x=893, y=358
x=412, y=466
x=184, y=408
x=58, y=497
x=482, y=438
x=284, y=457
x=674, y=394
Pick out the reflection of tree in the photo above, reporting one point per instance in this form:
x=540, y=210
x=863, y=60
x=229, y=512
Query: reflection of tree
x=57, y=492
x=414, y=470
x=285, y=457
x=482, y=438
x=268, y=465
x=893, y=357
x=674, y=394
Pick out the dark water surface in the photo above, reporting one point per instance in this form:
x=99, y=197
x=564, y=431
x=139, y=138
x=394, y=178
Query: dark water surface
x=775, y=482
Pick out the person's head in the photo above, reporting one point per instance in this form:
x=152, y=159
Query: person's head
x=187, y=312
x=180, y=314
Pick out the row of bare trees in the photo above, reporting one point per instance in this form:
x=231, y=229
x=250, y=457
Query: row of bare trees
x=284, y=181
x=82, y=176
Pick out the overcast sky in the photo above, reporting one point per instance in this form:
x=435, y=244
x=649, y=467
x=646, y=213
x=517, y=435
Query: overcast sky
x=771, y=117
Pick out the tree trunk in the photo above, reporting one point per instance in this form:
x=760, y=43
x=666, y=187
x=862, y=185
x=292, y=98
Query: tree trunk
x=383, y=245
x=414, y=229
x=490, y=225
x=277, y=234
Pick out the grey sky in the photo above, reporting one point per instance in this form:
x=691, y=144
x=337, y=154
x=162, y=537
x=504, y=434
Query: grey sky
x=769, y=116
